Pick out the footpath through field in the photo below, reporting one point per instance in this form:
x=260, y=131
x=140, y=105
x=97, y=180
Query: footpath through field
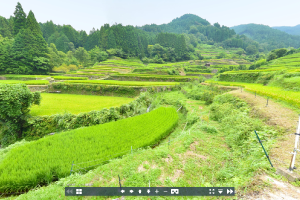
x=285, y=120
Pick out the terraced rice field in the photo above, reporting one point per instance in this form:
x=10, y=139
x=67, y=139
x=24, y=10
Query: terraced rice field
x=50, y=158
x=60, y=103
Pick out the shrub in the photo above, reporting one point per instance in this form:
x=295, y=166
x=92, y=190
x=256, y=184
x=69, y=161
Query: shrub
x=14, y=108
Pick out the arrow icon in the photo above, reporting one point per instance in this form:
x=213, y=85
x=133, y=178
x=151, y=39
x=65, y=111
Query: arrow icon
x=230, y=191
x=122, y=191
x=220, y=191
x=131, y=191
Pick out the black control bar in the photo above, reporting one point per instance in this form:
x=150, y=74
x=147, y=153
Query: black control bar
x=149, y=191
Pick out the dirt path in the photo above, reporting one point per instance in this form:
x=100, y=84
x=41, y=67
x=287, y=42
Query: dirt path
x=283, y=119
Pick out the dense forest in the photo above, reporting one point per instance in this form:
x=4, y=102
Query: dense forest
x=204, y=32
x=29, y=47
x=293, y=30
x=268, y=37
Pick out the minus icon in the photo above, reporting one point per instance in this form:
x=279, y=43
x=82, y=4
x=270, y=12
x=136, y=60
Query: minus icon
x=165, y=191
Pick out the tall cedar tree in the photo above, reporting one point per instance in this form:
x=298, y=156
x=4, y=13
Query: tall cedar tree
x=48, y=29
x=111, y=40
x=19, y=19
x=5, y=54
x=30, y=49
x=4, y=28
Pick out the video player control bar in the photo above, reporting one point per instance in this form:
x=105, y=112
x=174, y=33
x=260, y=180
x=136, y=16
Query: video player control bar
x=152, y=191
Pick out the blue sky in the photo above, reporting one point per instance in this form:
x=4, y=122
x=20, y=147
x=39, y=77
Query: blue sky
x=86, y=14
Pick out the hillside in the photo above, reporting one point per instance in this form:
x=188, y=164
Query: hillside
x=178, y=25
x=268, y=37
x=293, y=30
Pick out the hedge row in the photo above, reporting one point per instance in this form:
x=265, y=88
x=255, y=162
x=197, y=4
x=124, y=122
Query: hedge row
x=106, y=90
x=239, y=77
x=155, y=78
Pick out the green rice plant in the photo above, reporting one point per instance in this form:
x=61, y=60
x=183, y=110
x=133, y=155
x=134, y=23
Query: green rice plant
x=24, y=77
x=31, y=82
x=43, y=161
x=124, y=83
x=290, y=97
x=69, y=78
x=84, y=74
x=71, y=103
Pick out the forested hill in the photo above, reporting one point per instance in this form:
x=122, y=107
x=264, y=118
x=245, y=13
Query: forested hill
x=193, y=24
x=268, y=37
x=293, y=30
x=199, y=29
x=178, y=25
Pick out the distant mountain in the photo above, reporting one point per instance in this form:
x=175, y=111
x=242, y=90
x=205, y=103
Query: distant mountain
x=178, y=25
x=268, y=37
x=200, y=29
x=293, y=30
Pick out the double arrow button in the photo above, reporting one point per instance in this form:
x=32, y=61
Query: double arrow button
x=230, y=191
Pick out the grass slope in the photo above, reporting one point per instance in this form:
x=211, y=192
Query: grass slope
x=75, y=104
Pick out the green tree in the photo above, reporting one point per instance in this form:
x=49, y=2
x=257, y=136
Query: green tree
x=16, y=100
x=32, y=24
x=280, y=52
x=62, y=43
x=6, y=59
x=97, y=55
x=19, y=19
x=111, y=41
x=30, y=50
x=56, y=57
x=251, y=49
x=82, y=56
x=193, y=30
x=221, y=55
x=271, y=56
x=4, y=28
x=48, y=29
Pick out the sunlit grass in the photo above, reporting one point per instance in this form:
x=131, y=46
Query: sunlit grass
x=75, y=104
x=31, y=82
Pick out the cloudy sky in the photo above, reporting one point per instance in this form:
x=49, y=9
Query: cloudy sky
x=86, y=14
